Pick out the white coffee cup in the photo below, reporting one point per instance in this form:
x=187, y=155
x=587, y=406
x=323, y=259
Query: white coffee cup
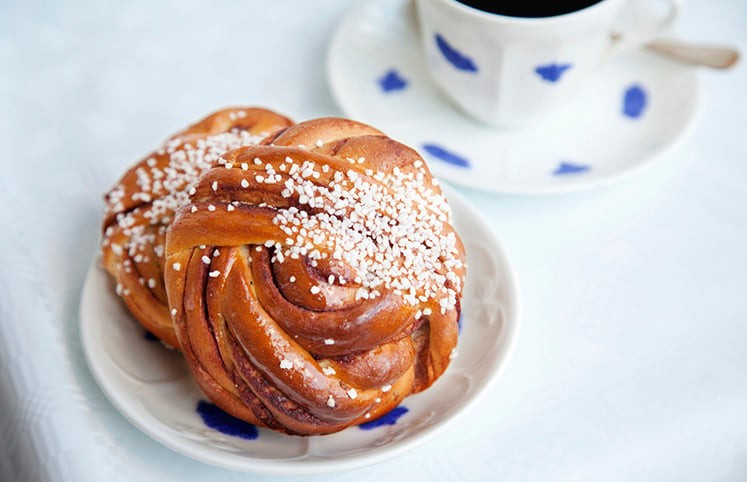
x=515, y=71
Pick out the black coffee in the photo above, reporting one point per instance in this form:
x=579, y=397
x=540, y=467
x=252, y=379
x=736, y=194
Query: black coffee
x=529, y=8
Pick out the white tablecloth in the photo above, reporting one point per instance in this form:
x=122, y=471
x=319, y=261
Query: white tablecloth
x=632, y=358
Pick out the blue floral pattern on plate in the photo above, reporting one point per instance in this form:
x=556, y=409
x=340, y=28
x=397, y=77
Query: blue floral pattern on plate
x=392, y=81
x=445, y=155
x=635, y=100
x=219, y=420
x=389, y=418
x=565, y=168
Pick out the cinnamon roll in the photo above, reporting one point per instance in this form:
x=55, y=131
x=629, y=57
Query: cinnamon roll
x=315, y=279
x=141, y=205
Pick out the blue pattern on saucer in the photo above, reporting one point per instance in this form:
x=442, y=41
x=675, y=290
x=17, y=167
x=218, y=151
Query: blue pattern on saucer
x=552, y=72
x=392, y=81
x=219, y=420
x=386, y=419
x=565, y=168
x=447, y=156
x=456, y=58
x=635, y=100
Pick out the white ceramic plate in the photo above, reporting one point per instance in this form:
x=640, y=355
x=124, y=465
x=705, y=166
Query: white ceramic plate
x=635, y=109
x=151, y=385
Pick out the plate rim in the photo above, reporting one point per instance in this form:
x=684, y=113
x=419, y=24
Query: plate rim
x=92, y=350
x=337, y=43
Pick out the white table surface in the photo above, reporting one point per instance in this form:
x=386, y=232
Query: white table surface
x=632, y=358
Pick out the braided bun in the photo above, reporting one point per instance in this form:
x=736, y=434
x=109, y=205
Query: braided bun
x=315, y=279
x=141, y=206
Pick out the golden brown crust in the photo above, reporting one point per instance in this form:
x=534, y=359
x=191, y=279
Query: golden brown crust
x=141, y=206
x=319, y=278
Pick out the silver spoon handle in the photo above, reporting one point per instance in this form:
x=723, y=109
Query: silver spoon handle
x=707, y=56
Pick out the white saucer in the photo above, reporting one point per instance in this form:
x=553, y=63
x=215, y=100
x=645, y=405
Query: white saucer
x=377, y=74
x=151, y=385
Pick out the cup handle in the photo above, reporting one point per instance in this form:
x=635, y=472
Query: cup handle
x=633, y=39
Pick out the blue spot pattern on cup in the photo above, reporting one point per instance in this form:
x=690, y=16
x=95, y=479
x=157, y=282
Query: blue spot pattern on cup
x=456, y=58
x=219, y=420
x=447, y=156
x=459, y=323
x=552, y=72
x=635, y=100
x=392, y=81
x=389, y=418
x=565, y=168
x=150, y=336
